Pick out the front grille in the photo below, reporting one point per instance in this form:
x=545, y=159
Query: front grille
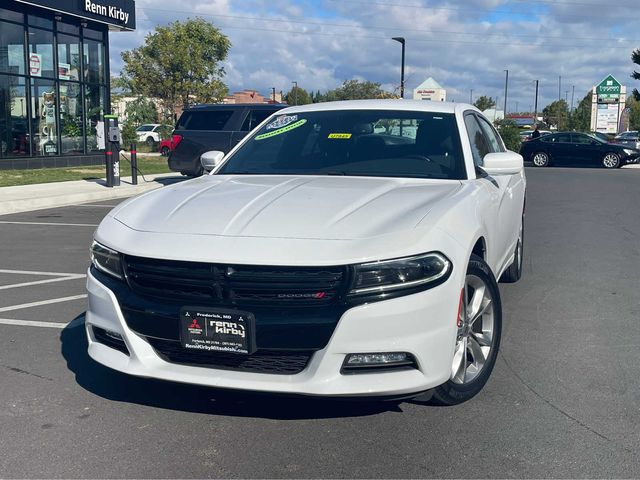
x=277, y=362
x=102, y=336
x=221, y=284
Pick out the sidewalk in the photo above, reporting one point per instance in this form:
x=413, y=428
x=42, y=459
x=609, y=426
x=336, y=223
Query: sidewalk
x=25, y=198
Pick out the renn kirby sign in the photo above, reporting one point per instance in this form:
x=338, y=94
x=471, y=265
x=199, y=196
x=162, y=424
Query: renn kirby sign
x=110, y=11
x=119, y=14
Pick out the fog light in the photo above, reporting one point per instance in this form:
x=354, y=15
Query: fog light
x=377, y=361
x=376, y=358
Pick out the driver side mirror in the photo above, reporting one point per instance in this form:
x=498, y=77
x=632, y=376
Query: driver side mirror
x=503, y=163
x=210, y=160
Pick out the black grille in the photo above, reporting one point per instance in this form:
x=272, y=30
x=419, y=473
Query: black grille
x=205, y=283
x=263, y=361
x=103, y=337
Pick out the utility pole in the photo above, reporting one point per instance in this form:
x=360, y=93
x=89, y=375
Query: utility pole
x=506, y=88
x=273, y=90
x=573, y=91
x=402, y=41
x=295, y=92
x=559, y=87
x=517, y=107
x=471, y=96
x=566, y=96
x=535, y=111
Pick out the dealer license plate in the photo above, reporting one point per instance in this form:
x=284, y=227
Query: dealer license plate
x=217, y=330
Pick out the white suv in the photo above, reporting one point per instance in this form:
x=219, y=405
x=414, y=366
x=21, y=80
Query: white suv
x=149, y=133
x=324, y=255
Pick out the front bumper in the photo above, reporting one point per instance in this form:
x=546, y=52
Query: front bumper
x=421, y=324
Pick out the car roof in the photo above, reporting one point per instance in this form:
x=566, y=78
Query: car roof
x=391, y=104
x=227, y=106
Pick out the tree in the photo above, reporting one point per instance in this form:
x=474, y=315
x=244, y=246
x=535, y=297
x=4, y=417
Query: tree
x=179, y=63
x=556, y=113
x=297, y=96
x=634, y=112
x=354, y=90
x=141, y=110
x=635, y=58
x=484, y=103
x=581, y=116
x=510, y=134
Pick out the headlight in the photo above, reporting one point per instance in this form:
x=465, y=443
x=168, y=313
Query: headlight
x=629, y=151
x=106, y=260
x=388, y=276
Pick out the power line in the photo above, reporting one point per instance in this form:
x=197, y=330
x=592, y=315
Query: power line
x=370, y=27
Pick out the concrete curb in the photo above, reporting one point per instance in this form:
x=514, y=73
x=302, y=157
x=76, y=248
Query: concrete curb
x=25, y=198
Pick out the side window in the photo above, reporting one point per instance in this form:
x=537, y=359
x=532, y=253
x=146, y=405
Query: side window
x=581, y=139
x=255, y=118
x=494, y=140
x=204, y=120
x=477, y=138
x=562, y=138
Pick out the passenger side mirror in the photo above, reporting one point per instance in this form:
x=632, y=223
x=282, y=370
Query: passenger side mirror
x=210, y=160
x=503, y=163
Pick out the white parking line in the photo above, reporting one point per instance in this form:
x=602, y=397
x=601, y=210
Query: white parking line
x=51, y=223
x=32, y=323
x=40, y=282
x=42, y=274
x=42, y=302
x=94, y=205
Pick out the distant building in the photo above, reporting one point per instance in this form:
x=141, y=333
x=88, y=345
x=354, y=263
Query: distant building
x=430, y=90
x=252, y=96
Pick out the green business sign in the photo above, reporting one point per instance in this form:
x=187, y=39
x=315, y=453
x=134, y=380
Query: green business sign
x=608, y=88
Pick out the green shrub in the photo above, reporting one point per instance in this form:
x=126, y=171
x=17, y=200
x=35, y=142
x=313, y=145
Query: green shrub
x=510, y=134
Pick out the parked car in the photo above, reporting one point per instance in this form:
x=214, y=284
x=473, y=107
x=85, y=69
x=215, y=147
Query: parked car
x=167, y=145
x=602, y=136
x=320, y=258
x=573, y=148
x=629, y=139
x=149, y=133
x=214, y=127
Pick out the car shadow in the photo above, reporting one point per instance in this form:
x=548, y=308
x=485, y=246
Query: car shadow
x=113, y=385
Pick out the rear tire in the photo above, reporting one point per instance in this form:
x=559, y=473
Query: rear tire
x=164, y=151
x=540, y=159
x=477, y=338
x=514, y=272
x=149, y=141
x=611, y=160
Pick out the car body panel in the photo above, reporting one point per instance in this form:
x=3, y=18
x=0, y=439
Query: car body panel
x=321, y=220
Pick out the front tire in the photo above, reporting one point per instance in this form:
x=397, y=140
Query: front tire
x=611, y=160
x=477, y=337
x=149, y=141
x=540, y=159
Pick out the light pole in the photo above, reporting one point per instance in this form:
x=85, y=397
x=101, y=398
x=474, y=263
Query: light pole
x=471, y=96
x=559, y=87
x=573, y=91
x=506, y=88
x=295, y=92
x=273, y=90
x=402, y=42
x=535, y=111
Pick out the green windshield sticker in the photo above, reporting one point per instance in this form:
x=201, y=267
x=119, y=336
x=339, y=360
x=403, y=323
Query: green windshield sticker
x=289, y=127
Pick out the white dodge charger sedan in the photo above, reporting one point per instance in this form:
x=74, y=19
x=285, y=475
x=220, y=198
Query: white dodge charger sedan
x=342, y=249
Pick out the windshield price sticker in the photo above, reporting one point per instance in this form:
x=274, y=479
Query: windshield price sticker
x=288, y=128
x=340, y=135
x=282, y=121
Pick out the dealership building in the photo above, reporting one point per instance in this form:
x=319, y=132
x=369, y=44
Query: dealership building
x=54, y=79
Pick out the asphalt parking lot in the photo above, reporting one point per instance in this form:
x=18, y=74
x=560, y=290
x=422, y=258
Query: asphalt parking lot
x=563, y=401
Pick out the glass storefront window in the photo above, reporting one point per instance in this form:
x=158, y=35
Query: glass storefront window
x=11, y=48
x=94, y=61
x=94, y=110
x=44, y=118
x=14, y=129
x=11, y=15
x=68, y=57
x=70, y=118
x=38, y=21
x=40, y=53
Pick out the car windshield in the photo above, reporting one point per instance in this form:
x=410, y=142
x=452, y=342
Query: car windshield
x=144, y=128
x=380, y=143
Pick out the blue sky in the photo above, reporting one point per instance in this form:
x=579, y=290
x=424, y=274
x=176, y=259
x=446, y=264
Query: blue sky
x=463, y=44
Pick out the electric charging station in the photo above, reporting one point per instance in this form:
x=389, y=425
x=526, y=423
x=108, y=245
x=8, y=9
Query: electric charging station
x=112, y=150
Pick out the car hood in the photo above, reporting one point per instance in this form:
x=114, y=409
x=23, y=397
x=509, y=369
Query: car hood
x=296, y=207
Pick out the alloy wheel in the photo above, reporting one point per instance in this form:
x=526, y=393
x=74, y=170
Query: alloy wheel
x=610, y=160
x=540, y=159
x=475, y=331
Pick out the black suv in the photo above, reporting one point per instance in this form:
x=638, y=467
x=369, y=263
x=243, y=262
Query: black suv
x=213, y=127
